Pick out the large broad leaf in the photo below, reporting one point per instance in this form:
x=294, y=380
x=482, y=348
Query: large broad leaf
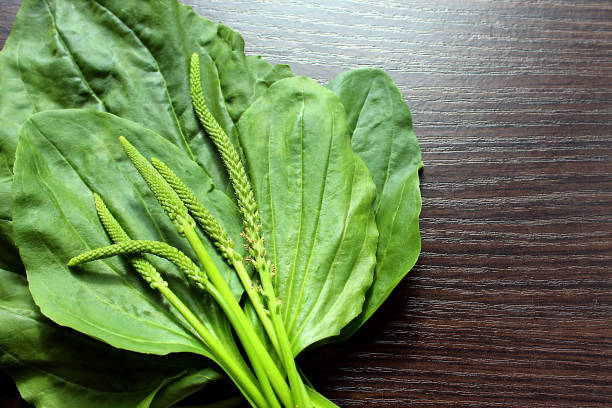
x=57, y=367
x=315, y=198
x=381, y=128
x=63, y=157
x=129, y=58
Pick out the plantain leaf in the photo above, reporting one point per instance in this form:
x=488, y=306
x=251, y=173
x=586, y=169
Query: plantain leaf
x=315, y=198
x=381, y=134
x=54, y=366
x=131, y=60
x=63, y=157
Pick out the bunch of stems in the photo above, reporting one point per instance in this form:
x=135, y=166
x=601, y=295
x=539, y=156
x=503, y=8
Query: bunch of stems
x=262, y=381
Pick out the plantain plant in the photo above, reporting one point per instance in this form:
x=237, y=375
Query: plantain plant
x=244, y=216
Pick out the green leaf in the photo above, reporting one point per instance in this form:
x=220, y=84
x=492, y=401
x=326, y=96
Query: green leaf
x=381, y=134
x=55, y=366
x=315, y=197
x=131, y=60
x=65, y=156
x=177, y=389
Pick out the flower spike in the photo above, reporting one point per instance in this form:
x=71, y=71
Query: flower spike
x=117, y=234
x=166, y=196
x=157, y=248
x=199, y=213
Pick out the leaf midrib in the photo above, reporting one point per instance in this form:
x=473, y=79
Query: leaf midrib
x=70, y=54
x=317, y=222
x=163, y=77
x=334, y=261
x=299, y=237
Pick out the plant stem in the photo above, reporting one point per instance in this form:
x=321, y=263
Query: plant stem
x=249, y=338
x=242, y=334
x=262, y=313
x=240, y=377
x=295, y=382
x=298, y=389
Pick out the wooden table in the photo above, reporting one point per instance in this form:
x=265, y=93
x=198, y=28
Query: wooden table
x=510, y=303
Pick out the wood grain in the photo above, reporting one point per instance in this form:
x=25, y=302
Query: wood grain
x=510, y=303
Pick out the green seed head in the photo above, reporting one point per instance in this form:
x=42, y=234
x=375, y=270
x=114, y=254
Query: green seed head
x=112, y=227
x=156, y=248
x=117, y=234
x=164, y=194
x=200, y=214
x=233, y=163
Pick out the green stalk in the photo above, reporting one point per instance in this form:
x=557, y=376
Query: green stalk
x=286, y=355
x=242, y=334
x=150, y=274
x=257, y=304
x=249, y=338
x=241, y=378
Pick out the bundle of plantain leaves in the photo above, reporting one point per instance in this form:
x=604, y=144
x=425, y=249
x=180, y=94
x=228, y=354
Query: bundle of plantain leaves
x=176, y=214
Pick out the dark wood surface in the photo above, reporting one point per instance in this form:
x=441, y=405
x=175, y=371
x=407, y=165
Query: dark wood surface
x=510, y=304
